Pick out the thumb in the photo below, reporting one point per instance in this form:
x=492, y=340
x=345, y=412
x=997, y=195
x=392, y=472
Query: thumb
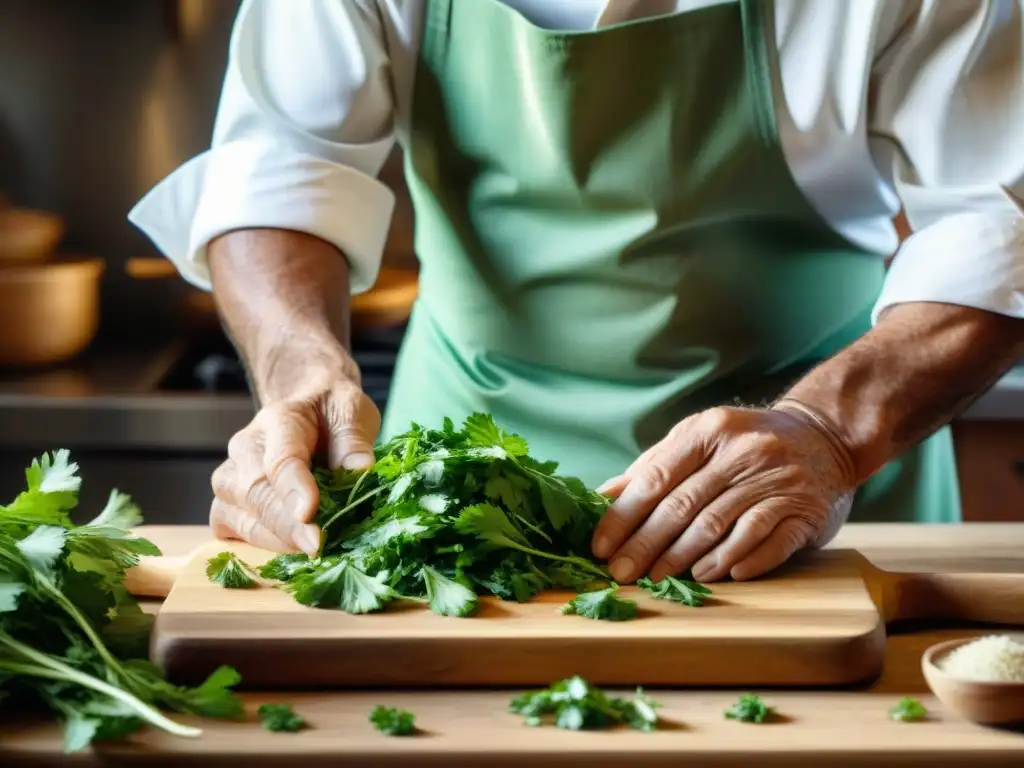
x=353, y=423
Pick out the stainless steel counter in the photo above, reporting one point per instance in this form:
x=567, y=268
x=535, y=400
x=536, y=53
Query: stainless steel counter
x=111, y=400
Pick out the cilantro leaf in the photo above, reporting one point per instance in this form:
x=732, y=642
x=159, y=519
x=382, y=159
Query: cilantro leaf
x=120, y=512
x=687, y=592
x=482, y=432
x=445, y=596
x=10, y=591
x=575, y=705
x=908, y=710
x=43, y=547
x=750, y=709
x=280, y=718
x=491, y=524
x=230, y=571
x=337, y=583
x=393, y=722
x=285, y=567
x=603, y=604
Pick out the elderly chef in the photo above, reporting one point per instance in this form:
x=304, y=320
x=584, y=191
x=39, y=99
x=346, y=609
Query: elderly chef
x=653, y=239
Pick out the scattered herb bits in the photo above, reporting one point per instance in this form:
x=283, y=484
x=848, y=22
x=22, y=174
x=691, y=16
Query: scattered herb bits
x=71, y=636
x=444, y=516
x=228, y=570
x=750, y=709
x=908, y=710
x=393, y=722
x=678, y=590
x=280, y=718
x=575, y=705
x=604, y=605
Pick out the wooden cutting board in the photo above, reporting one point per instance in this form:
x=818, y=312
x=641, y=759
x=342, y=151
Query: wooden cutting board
x=818, y=621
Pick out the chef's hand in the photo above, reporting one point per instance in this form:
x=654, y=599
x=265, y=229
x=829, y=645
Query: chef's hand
x=729, y=492
x=265, y=493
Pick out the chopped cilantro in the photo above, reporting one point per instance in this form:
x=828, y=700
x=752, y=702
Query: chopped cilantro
x=576, y=705
x=603, y=604
x=908, y=710
x=280, y=718
x=750, y=709
x=228, y=570
x=445, y=516
x=685, y=591
x=393, y=722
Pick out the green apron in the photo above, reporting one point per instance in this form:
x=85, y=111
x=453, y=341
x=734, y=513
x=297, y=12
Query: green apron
x=610, y=239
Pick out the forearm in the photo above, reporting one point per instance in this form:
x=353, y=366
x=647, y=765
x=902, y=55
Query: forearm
x=284, y=299
x=920, y=367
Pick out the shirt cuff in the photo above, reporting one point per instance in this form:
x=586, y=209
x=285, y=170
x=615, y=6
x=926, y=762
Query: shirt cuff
x=969, y=259
x=250, y=184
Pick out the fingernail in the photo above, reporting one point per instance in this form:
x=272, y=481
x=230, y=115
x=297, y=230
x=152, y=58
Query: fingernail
x=701, y=572
x=307, y=538
x=621, y=569
x=602, y=546
x=358, y=461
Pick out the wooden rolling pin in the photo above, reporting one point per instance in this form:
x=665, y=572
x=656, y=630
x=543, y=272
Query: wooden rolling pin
x=986, y=598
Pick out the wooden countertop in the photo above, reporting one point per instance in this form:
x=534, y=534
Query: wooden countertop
x=835, y=728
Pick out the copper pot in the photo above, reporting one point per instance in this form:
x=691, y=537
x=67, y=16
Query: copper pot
x=49, y=312
x=28, y=236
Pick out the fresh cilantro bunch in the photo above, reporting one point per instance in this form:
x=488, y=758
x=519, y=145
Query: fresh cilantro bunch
x=576, y=705
x=71, y=636
x=446, y=515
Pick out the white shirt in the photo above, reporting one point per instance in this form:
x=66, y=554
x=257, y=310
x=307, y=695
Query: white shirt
x=885, y=104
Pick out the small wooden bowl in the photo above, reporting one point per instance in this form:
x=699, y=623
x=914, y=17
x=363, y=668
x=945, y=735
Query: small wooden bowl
x=49, y=312
x=28, y=236
x=987, y=703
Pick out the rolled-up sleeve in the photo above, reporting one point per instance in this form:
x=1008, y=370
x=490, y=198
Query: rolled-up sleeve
x=947, y=129
x=304, y=124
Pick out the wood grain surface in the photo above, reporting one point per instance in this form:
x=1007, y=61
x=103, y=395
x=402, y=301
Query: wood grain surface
x=471, y=728
x=811, y=623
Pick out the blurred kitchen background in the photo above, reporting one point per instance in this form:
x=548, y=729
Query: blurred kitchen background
x=104, y=350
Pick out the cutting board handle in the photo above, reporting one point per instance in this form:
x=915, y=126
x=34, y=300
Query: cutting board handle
x=990, y=598
x=154, y=576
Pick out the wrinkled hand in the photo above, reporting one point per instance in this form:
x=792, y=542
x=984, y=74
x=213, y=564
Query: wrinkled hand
x=265, y=493
x=729, y=492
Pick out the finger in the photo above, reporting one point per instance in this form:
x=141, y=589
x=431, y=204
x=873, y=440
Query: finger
x=353, y=423
x=666, y=466
x=712, y=524
x=290, y=438
x=238, y=489
x=613, y=488
x=753, y=527
x=231, y=522
x=666, y=523
x=789, y=536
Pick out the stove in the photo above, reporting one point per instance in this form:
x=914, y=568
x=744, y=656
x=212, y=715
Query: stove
x=213, y=366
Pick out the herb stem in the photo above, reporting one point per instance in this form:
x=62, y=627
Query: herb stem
x=352, y=505
x=564, y=558
x=47, y=667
